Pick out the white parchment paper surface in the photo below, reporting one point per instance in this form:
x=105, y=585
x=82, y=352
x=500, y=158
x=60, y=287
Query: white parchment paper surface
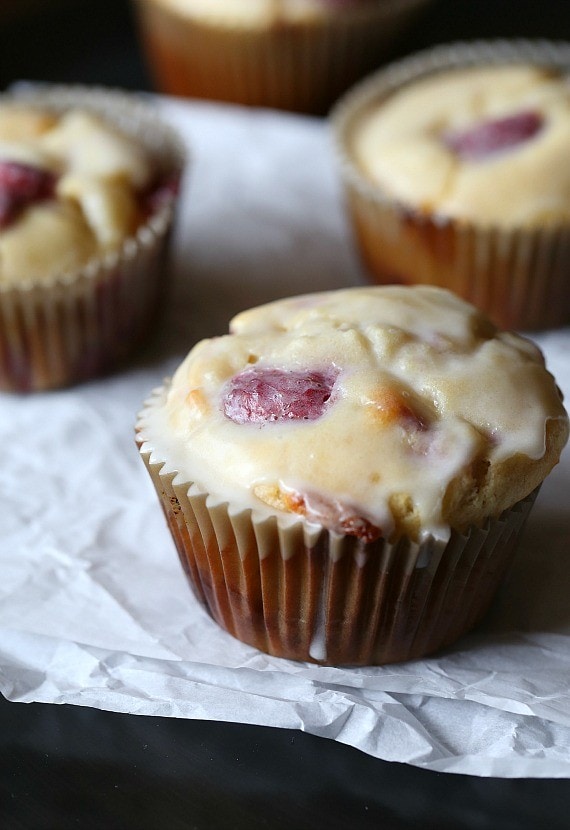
x=94, y=608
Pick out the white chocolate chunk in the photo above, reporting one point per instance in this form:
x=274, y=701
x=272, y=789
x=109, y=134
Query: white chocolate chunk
x=108, y=206
x=50, y=238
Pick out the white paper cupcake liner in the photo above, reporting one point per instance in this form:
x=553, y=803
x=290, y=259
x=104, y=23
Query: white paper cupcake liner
x=295, y=66
x=518, y=276
x=297, y=590
x=75, y=326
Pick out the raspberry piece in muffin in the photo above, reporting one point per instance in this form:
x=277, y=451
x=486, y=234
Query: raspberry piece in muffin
x=496, y=135
x=22, y=185
x=339, y=517
x=258, y=396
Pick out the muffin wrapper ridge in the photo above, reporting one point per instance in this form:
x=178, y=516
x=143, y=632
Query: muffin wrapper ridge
x=518, y=276
x=73, y=327
x=297, y=66
x=298, y=591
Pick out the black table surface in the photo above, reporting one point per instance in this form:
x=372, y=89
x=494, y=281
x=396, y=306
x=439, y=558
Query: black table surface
x=64, y=766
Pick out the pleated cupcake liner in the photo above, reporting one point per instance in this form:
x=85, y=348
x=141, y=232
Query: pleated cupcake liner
x=293, y=66
x=297, y=590
x=518, y=276
x=71, y=327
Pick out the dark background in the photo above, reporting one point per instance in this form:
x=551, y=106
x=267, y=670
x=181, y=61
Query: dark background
x=66, y=767
x=94, y=41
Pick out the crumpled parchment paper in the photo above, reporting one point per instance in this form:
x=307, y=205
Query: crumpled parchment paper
x=94, y=608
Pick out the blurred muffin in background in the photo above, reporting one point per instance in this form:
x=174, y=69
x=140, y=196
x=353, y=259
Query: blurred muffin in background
x=88, y=184
x=455, y=168
x=289, y=54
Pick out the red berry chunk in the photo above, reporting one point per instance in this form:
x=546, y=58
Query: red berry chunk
x=21, y=185
x=336, y=516
x=490, y=137
x=257, y=395
x=361, y=528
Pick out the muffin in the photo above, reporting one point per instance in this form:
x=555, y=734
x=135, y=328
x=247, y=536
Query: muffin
x=455, y=173
x=346, y=474
x=290, y=54
x=88, y=185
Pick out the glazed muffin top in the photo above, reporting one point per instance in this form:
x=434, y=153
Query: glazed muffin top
x=486, y=144
x=70, y=189
x=372, y=411
x=262, y=13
